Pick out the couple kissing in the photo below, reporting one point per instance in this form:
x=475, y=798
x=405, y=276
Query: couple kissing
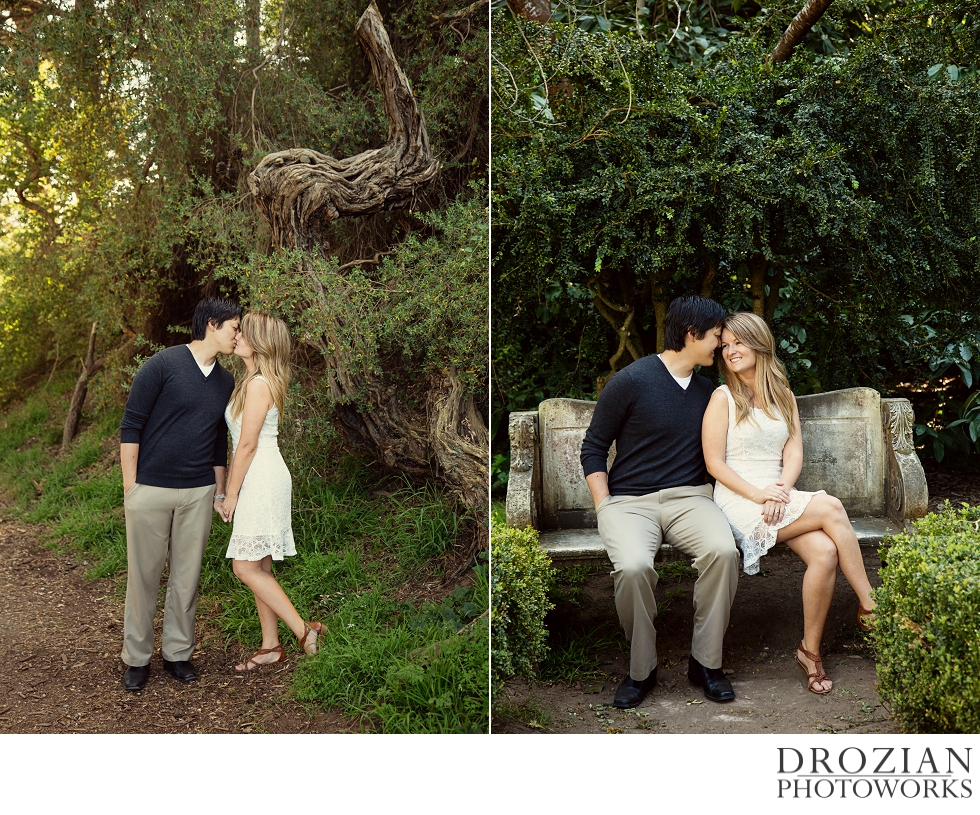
x=173, y=452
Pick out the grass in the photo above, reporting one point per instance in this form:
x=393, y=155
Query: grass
x=364, y=541
x=528, y=713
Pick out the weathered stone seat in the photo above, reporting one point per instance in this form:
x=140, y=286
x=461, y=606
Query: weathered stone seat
x=856, y=446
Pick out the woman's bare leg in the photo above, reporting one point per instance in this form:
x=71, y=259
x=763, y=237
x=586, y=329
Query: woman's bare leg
x=267, y=617
x=827, y=513
x=271, y=602
x=819, y=552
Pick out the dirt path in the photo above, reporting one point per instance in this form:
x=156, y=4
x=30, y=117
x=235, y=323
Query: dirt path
x=766, y=625
x=60, y=673
x=766, y=622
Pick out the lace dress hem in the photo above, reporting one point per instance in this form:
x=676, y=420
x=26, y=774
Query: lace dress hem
x=256, y=547
x=763, y=536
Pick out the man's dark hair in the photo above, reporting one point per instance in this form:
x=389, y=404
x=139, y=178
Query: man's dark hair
x=693, y=313
x=213, y=310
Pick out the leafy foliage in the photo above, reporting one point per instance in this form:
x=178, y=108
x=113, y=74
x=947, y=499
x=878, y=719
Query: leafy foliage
x=423, y=309
x=836, y=195
x=127, y=132
x=928, y=605
x=520, y=580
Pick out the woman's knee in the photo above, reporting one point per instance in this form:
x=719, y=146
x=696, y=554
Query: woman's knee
x=824, y=552
x=833, y=509
x=244, y=569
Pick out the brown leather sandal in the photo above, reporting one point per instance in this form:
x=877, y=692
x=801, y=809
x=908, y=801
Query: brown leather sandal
x=818, y=674
x=311, y=628
x=866, y=618
x=255, y=665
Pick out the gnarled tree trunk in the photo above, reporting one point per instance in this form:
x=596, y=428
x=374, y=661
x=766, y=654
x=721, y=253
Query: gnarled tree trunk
x=300, y=192
x=438, y=430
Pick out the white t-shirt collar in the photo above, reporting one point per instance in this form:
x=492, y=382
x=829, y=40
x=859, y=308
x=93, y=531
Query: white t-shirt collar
x=682, y=381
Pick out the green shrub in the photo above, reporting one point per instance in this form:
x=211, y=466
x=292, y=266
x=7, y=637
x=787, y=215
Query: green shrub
x=926, y=631
x=521, y=578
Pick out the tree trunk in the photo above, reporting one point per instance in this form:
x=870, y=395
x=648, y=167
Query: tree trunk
x=798, y=29
x=435, y=430
x=253, y=23
x=708, y=281
x=81, y=390
x=757, y=283
x=772, y=299
x=300, y=192
x=660, y=315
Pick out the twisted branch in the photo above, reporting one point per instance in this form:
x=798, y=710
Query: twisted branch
x=300, y=192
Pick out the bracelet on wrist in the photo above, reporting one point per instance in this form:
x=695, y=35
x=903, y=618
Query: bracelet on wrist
x=219, y=497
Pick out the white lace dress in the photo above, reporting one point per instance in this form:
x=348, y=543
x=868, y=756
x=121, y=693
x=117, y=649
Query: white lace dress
x=263, y=517
x=755, y=451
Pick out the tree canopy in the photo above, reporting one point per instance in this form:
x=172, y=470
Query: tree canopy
x=837, y=194
x=128, y=131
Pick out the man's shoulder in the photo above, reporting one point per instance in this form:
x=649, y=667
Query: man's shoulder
x=704, y=383
x=642, y=368
x=169, y=356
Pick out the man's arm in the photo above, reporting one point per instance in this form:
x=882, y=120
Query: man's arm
x=599, y=486
x=128, y=456
x=143, y=395
x=611, y=411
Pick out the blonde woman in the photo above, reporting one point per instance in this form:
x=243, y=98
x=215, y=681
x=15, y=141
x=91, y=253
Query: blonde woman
x=752, y=446
x=259, y=490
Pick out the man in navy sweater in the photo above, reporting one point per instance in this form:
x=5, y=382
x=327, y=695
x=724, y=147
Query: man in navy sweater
x=173, y=451
x=658, y=488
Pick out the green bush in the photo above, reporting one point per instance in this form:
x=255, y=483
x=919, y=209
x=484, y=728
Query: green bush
x=521, y=578
x=926, y=631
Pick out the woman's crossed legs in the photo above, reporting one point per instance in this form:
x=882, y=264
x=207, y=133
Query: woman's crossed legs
x=824, y=538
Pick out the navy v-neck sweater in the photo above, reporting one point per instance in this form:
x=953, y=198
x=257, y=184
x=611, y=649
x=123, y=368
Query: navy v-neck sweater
x=656, y=425
x=176, y=415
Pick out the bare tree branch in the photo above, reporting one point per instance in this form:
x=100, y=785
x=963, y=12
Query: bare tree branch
x=798, y=29
x=465, y=12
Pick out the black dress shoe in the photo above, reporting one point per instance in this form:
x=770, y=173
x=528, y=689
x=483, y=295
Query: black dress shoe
x=716, y=687
x=181, y=670
x=136, y=676
x=632, y=691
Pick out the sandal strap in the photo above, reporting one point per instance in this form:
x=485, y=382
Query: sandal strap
x=261, y=652
x=306, y=633
x=818, y=675
x=808, y=655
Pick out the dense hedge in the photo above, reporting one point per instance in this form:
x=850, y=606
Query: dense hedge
x=520, y=580
x=839, y=197
x=926, y=630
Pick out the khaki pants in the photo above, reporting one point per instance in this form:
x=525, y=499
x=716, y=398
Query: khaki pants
x=632, y=529
x=163, y=526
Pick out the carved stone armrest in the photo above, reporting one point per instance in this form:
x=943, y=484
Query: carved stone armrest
x=907, y=495
x=524, y=481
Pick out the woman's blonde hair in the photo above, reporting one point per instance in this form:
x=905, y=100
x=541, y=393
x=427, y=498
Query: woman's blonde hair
x=269, y=338
x=771, y=384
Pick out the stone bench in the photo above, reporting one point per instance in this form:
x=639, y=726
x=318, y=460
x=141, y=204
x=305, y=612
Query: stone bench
x=856, y=446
